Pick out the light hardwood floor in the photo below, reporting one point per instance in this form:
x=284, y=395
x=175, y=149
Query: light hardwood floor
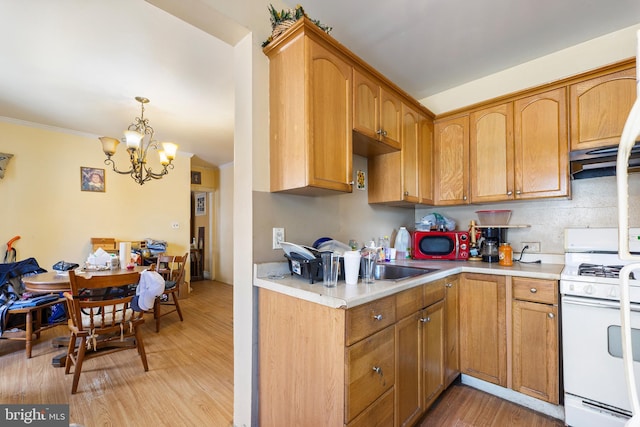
x=189, y=382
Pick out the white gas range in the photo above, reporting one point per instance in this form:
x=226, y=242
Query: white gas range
x=593, y=371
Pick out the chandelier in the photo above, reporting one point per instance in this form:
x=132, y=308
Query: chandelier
x=137, y=147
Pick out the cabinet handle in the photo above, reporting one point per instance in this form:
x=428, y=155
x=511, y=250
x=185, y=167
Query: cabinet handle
x=518, y=192
x=377, y=370
x=406, y=193
x=509, y=193
x=464, y=197
x=448, y=285
x=551, y=315
x=381, y=132
x=425, y=319
x=377, y=317
x=533, y=290
x=351, y=182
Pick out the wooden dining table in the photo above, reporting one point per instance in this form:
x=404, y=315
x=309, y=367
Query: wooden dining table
x=55, y=282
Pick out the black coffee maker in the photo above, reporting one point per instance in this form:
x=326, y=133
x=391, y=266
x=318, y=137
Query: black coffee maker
x=492, y=237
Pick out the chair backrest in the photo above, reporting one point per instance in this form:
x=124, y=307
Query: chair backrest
x=101, y=302
x=171, y=267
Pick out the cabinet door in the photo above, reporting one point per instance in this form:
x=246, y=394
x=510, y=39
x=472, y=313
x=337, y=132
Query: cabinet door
x=330, y=120
x=390, y=118
x=410, y=153
x=433, y=359
x=541, y=146
x=483, y=327
x=599, y=109
x=366, y=105
x=425, y=163
x=408, y=400
x=451, y=354
x=452, y=161
x=491, y=154
x=535, y=350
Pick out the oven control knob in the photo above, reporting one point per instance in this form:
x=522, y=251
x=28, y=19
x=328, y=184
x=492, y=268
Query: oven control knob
x=588, y=289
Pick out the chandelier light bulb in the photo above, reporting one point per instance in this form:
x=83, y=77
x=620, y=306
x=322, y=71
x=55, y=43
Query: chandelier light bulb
x=170, y=149
x=133, y=139
x=163, y=158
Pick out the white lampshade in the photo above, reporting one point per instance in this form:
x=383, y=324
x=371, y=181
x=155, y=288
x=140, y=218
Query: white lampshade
x=109, y=145
x=133, y=139
x=170, y=150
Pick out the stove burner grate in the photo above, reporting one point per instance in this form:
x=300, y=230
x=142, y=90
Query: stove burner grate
x=612, y=271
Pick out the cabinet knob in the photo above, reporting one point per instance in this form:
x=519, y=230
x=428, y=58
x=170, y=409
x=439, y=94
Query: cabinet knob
x=425, y=319
x=377, y=317
x=533, y=290
x=448, y=285
x=518, y=192
x=351, y=182
x=464, y=197
x=551, y=315
x=509, y=193
x=381, y=132
x=377, y=370
x=406, y=193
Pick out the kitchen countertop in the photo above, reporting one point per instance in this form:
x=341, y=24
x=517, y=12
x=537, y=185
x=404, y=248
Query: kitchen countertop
x=276, y=277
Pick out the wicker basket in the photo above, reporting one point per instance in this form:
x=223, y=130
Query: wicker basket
x=281, y=27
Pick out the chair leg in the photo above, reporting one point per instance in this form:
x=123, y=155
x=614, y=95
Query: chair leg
x=175, y=301
x=69, y=359
x=141, y=351
x=78, y=368
x=28, y=332
x=156, y=313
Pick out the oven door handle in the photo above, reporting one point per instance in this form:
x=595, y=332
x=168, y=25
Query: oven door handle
x=615, y=305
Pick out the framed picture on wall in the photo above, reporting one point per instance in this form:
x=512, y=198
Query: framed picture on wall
x=196, y=177
x=201, y=204
x=92, y=179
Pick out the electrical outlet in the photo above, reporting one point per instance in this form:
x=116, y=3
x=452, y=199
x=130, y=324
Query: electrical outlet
x=278, y=236
x=175, y=225
x=533, y=246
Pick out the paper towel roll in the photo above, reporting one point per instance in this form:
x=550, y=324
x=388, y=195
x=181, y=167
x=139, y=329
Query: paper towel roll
x=125, y=254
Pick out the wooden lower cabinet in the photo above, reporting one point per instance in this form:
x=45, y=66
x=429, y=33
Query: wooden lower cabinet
x=483, y=334
x=451, y=328
x=419, y=353
x=535, y=367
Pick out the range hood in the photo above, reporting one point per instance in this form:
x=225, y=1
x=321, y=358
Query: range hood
x=600, y=162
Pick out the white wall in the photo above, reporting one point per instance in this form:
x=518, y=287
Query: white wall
x=586, y=56
x=225, y=226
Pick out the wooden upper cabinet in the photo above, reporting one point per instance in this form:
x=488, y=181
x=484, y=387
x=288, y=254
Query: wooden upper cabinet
x=491, y=154
x=599, y=109
x=310, y=102
x=397, y=178
x=376, y=115
x=425, y=163
x=410, y=153
x=451, y=161
x=541, y=146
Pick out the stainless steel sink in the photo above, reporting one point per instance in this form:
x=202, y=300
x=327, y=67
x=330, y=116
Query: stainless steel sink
x=398, y=272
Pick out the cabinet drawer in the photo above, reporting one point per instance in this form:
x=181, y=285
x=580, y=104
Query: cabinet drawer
x=380, y=414
x=370, y=371
x=535, y=290
x=433, y=292
x=408, y=302
x=367, y=319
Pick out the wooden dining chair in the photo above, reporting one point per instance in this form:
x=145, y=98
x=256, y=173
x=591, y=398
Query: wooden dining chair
x=101, y=319
x=171, y=267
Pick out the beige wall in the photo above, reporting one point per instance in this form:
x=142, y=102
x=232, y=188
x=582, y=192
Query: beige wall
x=224, y=251
x=210, y=185
x=305, y=219
x=42, y=201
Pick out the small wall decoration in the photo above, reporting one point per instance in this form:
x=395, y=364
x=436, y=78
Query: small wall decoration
x=4, y=161
x=196, y=177
x=92, y=179
x=360, y=180
x=201, y=204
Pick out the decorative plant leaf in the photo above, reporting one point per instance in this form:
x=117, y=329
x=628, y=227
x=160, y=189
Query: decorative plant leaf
x=277, y=18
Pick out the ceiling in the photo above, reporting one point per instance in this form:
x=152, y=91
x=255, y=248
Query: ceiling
x=78, y=65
